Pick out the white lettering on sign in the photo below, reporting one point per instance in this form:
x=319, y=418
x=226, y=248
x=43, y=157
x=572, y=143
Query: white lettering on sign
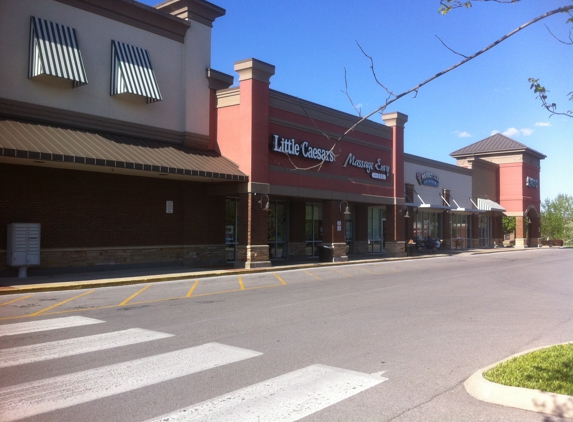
x=289, y=146
x=530, y=182
x=369, y=166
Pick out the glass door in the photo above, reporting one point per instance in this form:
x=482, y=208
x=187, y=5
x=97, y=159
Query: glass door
x=277, y=230
x=231, y=229
x=313, y=228
x=349, y=233
x=485, y=237
x=376, y=227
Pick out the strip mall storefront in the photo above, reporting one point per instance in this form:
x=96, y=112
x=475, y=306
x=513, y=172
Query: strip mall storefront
x=306, y=191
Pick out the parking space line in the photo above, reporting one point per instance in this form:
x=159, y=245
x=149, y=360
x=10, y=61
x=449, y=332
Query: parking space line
x=15, y=300
x=311, y=274
x=61, y=303
x=241, y=283
x=134, y=295
x=280, y=279
x=365, y=270
x=192, y=288
x=341, y=272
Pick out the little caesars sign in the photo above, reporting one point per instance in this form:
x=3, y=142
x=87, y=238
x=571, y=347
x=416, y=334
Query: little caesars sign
x=291, y=147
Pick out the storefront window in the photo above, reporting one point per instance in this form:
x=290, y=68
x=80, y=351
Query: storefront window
x=485, y=232
x=461, y=231
x=313, y=228
x=231, y=228
x=277, y=222
x=376, y=229
x=428, y=224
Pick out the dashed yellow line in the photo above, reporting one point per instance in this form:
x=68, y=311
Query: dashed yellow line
x=61, y=303
x=134, y=295
x=192, y=288
x=341, y=272
x=15, y=300
x=311, y=274
x=280, y=279
x=241, y=283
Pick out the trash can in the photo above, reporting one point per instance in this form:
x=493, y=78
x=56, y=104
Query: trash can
x=410, y=249
x=325, y=253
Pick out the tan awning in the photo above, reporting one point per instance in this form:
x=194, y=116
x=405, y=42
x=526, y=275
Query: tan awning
x=48, y=143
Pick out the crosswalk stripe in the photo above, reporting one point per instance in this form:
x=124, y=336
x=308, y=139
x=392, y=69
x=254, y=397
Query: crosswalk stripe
x=76, y=346
x=288, y=397
x=37, y=397
x=45, y=325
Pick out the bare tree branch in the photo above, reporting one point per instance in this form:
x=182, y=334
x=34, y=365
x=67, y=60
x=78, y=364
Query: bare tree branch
x=560, y=40
x=392, y=98
x=453, y=51
x=358, y=111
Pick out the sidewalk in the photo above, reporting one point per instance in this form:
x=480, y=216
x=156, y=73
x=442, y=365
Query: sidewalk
x=107, y=277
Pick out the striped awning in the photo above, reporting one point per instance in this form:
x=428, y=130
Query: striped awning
x=77, y=148
x=131, y=72
x=489, y=205
x=54, y=51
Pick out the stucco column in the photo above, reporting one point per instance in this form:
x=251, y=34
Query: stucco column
x=333, y=229
x=253, y=248
x=395, y=234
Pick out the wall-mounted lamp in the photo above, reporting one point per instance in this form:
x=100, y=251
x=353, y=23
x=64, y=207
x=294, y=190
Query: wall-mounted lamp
x=266, y=207
x=407, y=213
x=528, y=220
x=346, y=210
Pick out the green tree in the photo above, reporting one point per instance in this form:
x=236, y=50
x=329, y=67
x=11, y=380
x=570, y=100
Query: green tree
x=508, y=224
x=557, y=218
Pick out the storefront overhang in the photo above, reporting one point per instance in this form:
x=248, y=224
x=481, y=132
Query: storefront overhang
x=38, y=144
x=489, y=205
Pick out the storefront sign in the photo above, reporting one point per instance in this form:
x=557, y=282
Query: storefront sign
x=428, y=179
x=530, y=182
x=291, y=147
x=369, y=166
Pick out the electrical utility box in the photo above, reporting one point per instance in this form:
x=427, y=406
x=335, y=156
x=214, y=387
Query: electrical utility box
x=23, y=246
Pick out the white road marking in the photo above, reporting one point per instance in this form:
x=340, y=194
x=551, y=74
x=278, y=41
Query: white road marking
x=288, y=397
x=45, y=325
x=76, y=346
x=37, y=397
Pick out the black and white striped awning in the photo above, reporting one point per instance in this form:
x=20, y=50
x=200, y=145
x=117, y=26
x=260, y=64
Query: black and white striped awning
x=54, y=51
x=131, y=72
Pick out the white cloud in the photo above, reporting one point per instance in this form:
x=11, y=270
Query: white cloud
x=543, y=124
x=493, y=132
x=464, y=135
x=511, y=132
x=526, y=132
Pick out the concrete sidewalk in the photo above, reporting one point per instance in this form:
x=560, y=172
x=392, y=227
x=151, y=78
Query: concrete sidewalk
x=106, y=278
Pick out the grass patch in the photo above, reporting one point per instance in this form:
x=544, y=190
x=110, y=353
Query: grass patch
x=549, y=369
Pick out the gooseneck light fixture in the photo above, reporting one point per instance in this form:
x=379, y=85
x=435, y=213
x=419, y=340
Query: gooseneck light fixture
x=266, y=207
x=346, y=210
x=407, y=213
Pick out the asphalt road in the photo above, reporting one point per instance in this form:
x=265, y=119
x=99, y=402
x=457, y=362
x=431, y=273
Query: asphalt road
x=386, y=341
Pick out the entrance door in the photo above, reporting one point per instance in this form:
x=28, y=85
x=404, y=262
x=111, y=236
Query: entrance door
x=376, y=228
x=278, y=230
x=313, y=229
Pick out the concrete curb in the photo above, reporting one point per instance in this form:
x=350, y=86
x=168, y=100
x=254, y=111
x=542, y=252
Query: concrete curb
x=521, y=398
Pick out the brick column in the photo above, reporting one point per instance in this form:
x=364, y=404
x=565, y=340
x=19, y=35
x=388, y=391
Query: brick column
x=297, y=234
x=253, y=248
x=360, y=230
x=333, y=229
x=395, y=241
x=497, y=229
x=535, y=232
x=521, y=232
x=447, y=230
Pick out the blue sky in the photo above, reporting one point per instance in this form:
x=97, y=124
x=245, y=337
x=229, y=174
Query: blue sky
x=311, y=43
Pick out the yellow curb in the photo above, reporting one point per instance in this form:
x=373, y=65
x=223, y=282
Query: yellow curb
x=521, y=398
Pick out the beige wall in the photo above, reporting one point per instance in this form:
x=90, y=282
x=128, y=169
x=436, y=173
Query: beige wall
x=456, y=179
x=179, y=68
